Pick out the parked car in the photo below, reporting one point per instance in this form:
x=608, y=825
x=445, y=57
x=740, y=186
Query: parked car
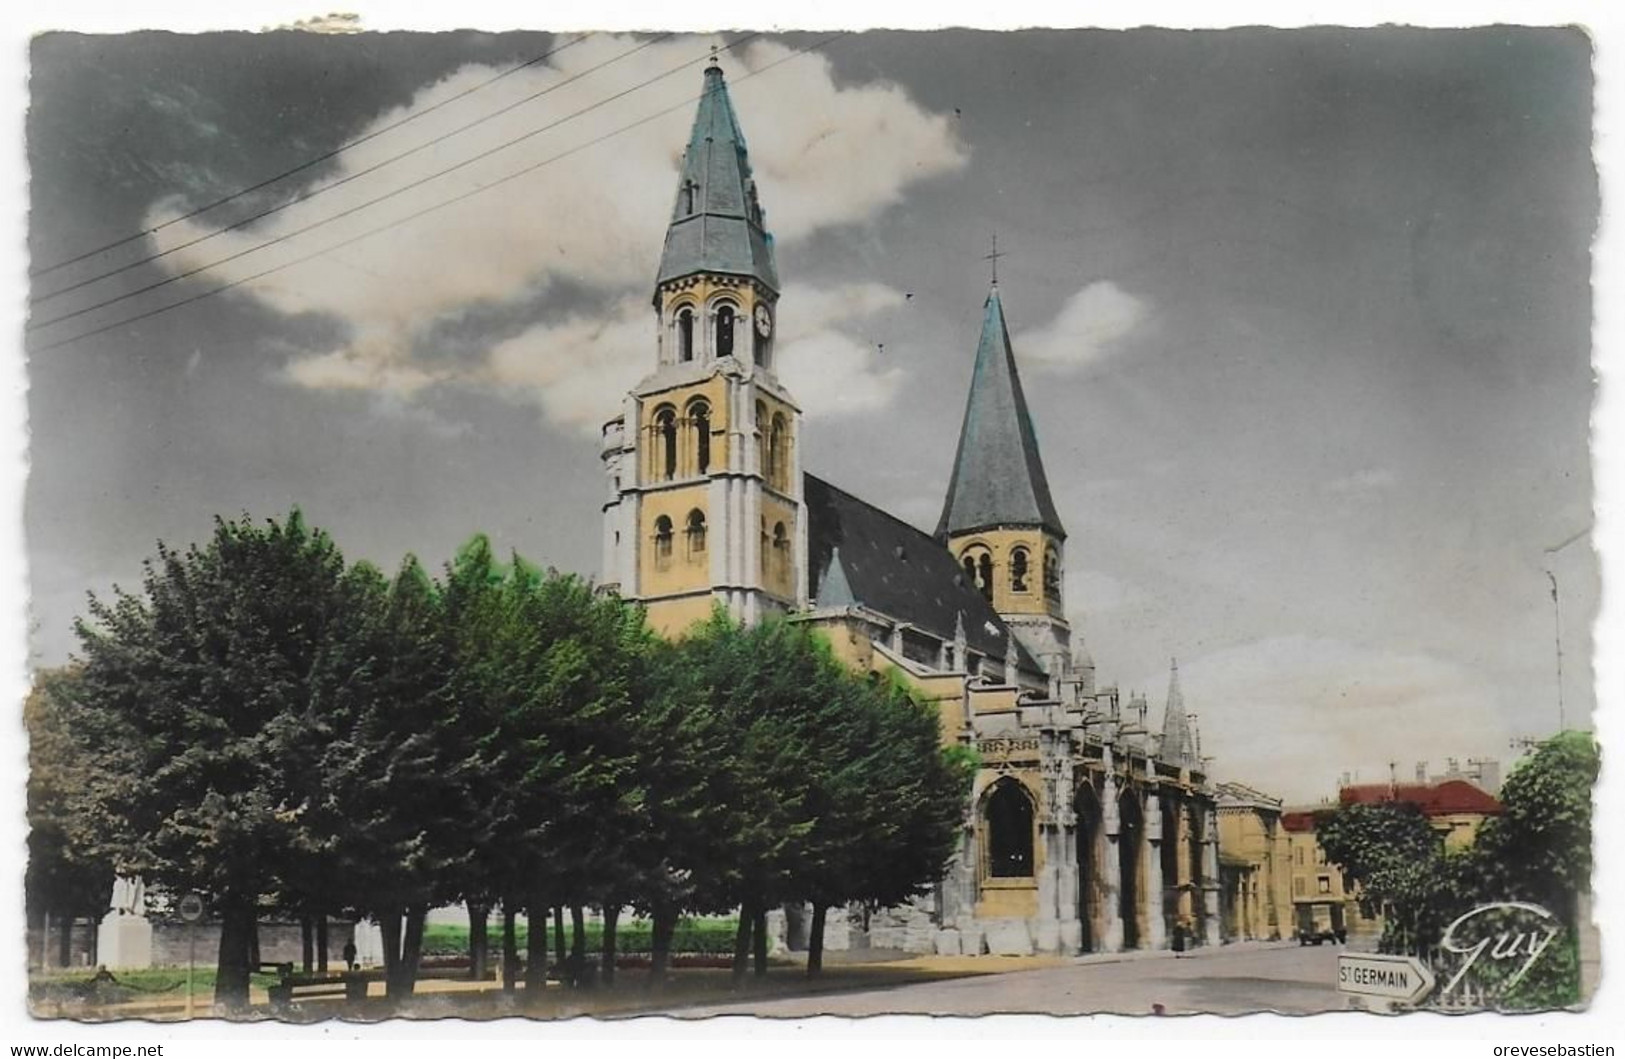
x=1317, y=936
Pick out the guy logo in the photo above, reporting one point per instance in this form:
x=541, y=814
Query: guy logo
x=1506, y=931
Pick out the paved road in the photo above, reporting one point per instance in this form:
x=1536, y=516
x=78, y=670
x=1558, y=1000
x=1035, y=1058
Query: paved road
x=1283, y=978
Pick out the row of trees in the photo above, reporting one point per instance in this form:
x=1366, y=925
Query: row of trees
x=279, y=730
x=1538, y=851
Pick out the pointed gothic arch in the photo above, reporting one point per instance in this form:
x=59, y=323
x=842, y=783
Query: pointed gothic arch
x=1093, y=891
x=1130, y=847
x=1008, y=816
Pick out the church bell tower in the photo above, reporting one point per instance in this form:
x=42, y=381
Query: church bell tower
x=705, y=500
x=999, y=520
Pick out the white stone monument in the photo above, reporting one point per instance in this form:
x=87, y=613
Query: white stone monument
x=124, y=938
x=369, y=944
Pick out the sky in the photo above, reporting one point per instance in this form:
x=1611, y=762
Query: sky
x=1303, y=317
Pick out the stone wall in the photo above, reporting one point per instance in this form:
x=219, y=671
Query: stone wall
x=279, y=943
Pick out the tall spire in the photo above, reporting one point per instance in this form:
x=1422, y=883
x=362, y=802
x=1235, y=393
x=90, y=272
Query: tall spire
x=998, y=478
x=1177, y=744
x=717, y=222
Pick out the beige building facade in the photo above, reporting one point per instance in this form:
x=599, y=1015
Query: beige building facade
x=1085, y=829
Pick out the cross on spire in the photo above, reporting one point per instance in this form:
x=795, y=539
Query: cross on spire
x=714, y=61
x=993, y=258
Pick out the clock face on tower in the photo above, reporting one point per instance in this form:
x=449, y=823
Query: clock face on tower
x=764, y=319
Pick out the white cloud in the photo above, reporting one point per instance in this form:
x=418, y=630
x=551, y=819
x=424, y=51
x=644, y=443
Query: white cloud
x=578, y=369
x=824, y=156
x=1290, y=714
x=1085, y=329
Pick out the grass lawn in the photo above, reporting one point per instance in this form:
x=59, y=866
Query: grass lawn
x=700, y=934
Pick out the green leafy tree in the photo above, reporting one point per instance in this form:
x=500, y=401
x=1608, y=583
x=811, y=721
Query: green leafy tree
x=200, y=698
x=1540, y=848
x=390, y=783
x=1391, y=852
x=887, y=797
x=69, y=875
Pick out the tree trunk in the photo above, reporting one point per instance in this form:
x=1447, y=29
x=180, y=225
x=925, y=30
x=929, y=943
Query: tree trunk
x=321, y=942
x=661, y=930
x=231, y=967
x=815, y=941
x=253, y=942
x=479, y=940
x=606, y=965
x=64, y=943
x=389, y=926
x=510, y=948
x=536, y=948
x=578, y=946
x=307, y=943
x=560, y=957
x=747, y=920
x=759, y=936
x=405, y=979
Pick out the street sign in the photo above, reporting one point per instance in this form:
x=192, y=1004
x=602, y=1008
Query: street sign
x=1404, y=979
x=191, y=908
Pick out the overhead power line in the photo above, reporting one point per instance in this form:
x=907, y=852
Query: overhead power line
x=427, y=210
x=347, y=178
x=301, y=167
x=35, y=326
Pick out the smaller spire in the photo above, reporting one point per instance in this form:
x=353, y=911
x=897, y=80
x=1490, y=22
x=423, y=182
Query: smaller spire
x=1177, y=744
x=835, y=589
x=1012, y=658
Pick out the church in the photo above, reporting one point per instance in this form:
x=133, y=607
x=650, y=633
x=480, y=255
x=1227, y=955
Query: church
x=1086, y=831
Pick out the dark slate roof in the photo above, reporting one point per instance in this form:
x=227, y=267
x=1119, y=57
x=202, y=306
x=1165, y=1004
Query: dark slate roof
x=998, y=478
x=894, y=569
x=726, y=232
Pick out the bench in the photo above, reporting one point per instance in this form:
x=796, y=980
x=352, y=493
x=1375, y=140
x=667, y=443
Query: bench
x=351, y=985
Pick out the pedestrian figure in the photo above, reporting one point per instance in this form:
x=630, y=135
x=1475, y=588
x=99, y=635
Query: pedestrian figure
x=349, y=954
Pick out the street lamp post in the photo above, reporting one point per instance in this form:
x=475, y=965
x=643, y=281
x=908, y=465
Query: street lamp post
x=1557, y=620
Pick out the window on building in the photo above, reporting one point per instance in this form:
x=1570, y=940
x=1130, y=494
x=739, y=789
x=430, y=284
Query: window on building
x=665, y=444
x=725, y=330
x=1324, y=883
x=685, y=334
x=689, y=189
x=781, y=550
x=695, y=532
x=1009, y=831
x=978, y=564
x=1298, y=856
x=1298, y=888
x=778, y=439
x=699, y=418
x=662, y=541
x=1052, y=574
x=1018, y=570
